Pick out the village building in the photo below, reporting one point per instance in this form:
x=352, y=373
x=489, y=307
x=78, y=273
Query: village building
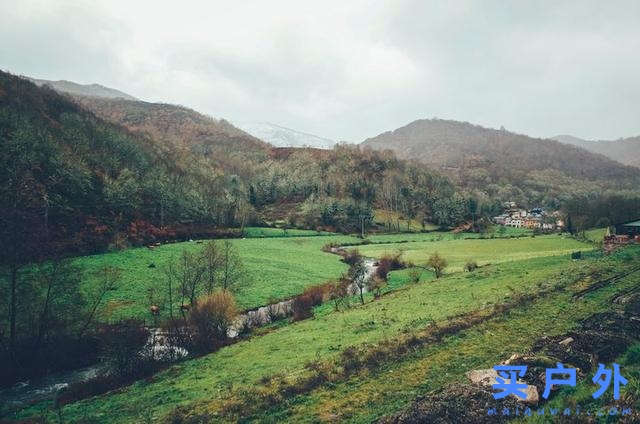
x=517, y=217
x=624, y=233
x=501, y=219
x=516, y=223
x=630, y=229
x=532, y=222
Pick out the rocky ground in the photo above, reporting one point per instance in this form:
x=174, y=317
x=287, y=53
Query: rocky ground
x=601, y=338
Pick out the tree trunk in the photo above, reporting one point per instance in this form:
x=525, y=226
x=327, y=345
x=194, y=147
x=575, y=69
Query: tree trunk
x=12, y=310
x=43, y=315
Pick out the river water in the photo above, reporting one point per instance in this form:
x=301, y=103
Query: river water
x=158, y=345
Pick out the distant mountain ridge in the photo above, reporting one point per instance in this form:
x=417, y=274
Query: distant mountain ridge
x=488, y=156
x=624, y=150
x=281, y=136
x=91, y=90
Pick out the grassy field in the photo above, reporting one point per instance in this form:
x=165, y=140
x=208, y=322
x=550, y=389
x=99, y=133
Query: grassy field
x=485, y=251
x=260, y=232
x=278, y=264
x=208, y=381
x=276, y=267
x=383, y=217
x=595, y=235
x=365, y=398
x=495, y=232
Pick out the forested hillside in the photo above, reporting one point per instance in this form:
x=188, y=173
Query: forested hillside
x=175, y=127
x=74, y=178
x=337, y=189
x=506, y=165
x=90, y=172
x=139, y=171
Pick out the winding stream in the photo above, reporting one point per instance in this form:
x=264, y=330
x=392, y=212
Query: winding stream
x=158, y=345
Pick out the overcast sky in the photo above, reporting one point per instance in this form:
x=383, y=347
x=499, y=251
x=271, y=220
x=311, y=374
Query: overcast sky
x=349, y=70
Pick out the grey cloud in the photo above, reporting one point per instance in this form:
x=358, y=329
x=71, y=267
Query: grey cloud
x=349, y=70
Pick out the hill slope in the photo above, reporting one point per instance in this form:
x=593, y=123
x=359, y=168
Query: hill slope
x=624, y=150
x=82, y=181
x=93, y=90
x=478, y=156
x=285, y=137
x=177, y=127
x=170, y=127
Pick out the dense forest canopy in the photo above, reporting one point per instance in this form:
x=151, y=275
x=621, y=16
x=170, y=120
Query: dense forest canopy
x=125, y=171
x=174, y=127
x=505, y=165
x=85, y=180
x=90, y=172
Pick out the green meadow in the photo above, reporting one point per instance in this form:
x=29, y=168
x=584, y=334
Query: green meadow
x=483, y=251
x=206, y=383
x=275, y=267
x=278, y=263
x=366, y=397
x=494, y=232
x=595, y=235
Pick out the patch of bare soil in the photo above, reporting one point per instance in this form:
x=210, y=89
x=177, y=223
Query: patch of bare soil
x=459, y=403
x=601, y=337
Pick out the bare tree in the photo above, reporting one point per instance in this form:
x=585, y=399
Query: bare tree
x=340, y=292
x=212, y=257
x=376, y=284
x=357, y=274
x=231, y=269
x=414, y=275
x=55, y=281
x=108, y=278
x=189, y=273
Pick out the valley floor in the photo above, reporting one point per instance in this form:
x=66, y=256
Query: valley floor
x=335, y=366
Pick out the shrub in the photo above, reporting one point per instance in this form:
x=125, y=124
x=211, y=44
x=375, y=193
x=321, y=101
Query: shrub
x=141, y=232
x=382, y=271
x=414, y=275
x=340, y=291
x=318, y=293
x=352, y=257
x=122, y=344
x=375, y=285
x=576, y=255
x=438, y=263
x=389, y=263
x=470, y=266
x=211, y=318
x=350, y=359
x=302, y=307
x=330, y=246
